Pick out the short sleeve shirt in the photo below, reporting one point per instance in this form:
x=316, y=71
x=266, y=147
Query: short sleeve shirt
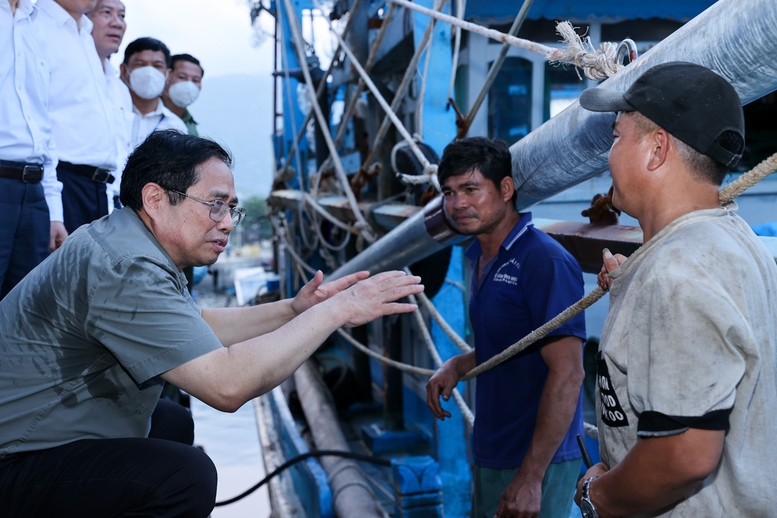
x=85, y=336
x=531, y=280
x=691, y=332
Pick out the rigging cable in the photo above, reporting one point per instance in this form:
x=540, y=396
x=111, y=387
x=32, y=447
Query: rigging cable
x=374, y=89
x=597, y=64
x=323, y=82
x=361, y=223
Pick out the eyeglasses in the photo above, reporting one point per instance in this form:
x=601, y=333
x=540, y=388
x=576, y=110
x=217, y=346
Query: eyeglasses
x=218, y=209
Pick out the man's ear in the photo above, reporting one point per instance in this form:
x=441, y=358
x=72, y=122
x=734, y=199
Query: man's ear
x=153, y=197
x=660, y=141
x=507, y=188
x=124, y=74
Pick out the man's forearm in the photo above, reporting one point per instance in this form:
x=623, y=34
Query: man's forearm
x=235, y=325
x=657, y=472
x=227, y=378
x=554, y=416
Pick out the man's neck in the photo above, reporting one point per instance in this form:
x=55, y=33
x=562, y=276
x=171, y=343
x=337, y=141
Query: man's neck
x=144, y=106
x=77, y=15
x=664, y=202
x=490, y=242
x=170, y=105
x=14, y=6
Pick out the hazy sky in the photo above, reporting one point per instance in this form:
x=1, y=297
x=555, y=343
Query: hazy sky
x=218, y=33
x=235, y=107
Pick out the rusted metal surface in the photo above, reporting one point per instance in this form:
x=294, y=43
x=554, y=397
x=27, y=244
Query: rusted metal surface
x=586, y=241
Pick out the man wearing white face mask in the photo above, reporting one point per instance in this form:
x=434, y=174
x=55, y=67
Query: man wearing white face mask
x=145, y=69
x=183, y=87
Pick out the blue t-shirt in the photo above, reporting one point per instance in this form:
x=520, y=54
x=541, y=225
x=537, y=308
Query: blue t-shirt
x=530, y=281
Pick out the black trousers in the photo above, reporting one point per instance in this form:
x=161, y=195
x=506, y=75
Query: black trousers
x=102, y=478
x=83, y=200
x=24, y=231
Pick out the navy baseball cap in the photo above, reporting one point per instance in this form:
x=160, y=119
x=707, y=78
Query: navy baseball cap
x=690, y=101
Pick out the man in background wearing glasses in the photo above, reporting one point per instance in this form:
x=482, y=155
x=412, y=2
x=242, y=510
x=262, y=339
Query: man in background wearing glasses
x=88, y=338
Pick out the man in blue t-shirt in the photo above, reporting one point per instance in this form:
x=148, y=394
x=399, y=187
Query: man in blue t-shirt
x=528, y=408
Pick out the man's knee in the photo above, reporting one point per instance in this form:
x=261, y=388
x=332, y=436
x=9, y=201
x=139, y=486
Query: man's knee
x=172, y=422
x=189, y=489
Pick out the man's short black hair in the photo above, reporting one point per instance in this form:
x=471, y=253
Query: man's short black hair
x=168, y=158
x=489, y=156
x=146, y=43
x=186, y=57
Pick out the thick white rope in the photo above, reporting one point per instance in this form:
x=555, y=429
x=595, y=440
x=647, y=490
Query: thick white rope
x=399, y=97
x=465, y=411
x=322, y=83
x=588, y=59
x=443, y=324
x=537, y=334
x=311, y=202
x=388, y=361
x=748, y=179
x=280, y=231
x=371, y=59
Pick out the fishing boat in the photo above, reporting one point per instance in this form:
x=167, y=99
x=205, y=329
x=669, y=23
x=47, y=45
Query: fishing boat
x=355, y=147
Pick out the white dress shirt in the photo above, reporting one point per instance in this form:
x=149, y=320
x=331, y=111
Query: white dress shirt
x=25, y=128
x=121, y=101
x=79, y=107
x=159, y=119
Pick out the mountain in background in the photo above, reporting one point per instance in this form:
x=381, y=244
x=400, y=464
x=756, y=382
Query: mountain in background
x=236, y=111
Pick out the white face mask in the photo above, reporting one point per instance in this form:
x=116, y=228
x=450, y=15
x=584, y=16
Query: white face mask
x=183, y=93
x=147, y=82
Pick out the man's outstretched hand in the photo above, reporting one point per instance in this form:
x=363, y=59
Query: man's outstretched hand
x=314, y=292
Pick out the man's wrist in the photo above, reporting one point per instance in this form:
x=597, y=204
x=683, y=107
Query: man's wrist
x=587, y=507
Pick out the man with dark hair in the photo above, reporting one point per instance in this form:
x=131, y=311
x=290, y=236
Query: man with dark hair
x=526, y=456
x=686, y=372
x=144, y=70
x=183, y=87
x=108, y=27
x=88, y=338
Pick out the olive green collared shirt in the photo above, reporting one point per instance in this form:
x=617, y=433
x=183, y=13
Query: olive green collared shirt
x=191, y=124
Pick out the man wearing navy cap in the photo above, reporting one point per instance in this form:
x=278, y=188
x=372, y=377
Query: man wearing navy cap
x=686, y=371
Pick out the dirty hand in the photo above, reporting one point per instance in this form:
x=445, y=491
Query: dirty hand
x=611, y=262
x=521, y=498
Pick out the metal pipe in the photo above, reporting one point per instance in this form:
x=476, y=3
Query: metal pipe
x=419, y=236
x=732, y=38
x=351, y=495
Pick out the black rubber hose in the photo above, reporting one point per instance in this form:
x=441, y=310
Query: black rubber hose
x=298, y=458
